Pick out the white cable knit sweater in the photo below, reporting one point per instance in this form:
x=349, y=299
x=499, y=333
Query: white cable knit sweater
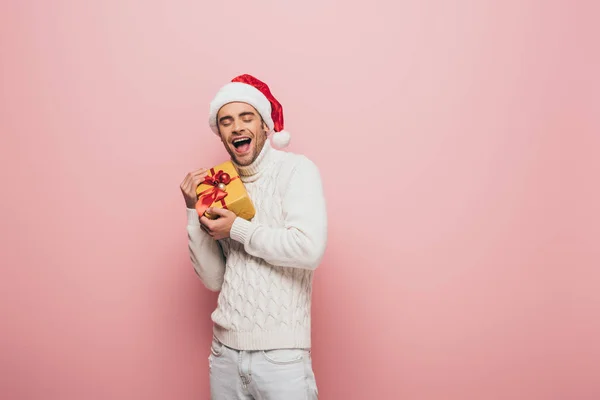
x=264, y=270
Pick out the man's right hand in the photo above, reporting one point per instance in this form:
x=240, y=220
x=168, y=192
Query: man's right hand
x=189, y=185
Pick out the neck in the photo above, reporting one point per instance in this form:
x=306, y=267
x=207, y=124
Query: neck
x=258, y=164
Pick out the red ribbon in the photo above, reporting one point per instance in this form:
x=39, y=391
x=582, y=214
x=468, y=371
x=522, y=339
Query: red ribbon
x=215, y=193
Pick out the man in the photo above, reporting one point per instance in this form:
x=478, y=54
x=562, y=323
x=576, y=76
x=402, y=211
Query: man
x=263, y=268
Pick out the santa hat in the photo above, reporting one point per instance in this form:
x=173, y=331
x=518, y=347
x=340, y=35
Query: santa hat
x=246, y=88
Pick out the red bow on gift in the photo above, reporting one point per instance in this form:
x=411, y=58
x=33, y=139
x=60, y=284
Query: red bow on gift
x=217, y=192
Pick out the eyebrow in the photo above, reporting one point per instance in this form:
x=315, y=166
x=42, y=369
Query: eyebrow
x=240, y=115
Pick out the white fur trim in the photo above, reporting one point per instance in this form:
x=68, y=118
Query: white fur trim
x=238, y=91
x=281, y=139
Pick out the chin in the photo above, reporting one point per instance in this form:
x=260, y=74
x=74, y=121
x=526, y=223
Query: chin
x=243, y=160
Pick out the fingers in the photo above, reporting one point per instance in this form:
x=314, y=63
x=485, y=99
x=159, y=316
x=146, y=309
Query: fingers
x=205, y=229
x=185, y=181
x=200, y=171
x=219, y=211
x=193, y=179
x=198, y=176
x=206, y=223
x=189, y=185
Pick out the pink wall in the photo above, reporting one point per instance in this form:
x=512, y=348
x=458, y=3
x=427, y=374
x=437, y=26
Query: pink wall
x=471, y=130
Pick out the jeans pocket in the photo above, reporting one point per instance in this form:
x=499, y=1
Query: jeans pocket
x=284, y=356
x=216, y=347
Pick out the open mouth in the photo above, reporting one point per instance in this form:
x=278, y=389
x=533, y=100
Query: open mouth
x=242, y=144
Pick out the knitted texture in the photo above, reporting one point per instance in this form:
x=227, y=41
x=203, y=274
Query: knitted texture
x=264, y=271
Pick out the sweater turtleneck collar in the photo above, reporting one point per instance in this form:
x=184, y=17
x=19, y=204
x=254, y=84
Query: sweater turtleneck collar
x=252, y=171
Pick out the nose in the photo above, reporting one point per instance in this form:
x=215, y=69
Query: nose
x=237, y=126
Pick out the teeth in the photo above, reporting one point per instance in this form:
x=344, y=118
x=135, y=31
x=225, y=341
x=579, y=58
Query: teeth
x=241, y=139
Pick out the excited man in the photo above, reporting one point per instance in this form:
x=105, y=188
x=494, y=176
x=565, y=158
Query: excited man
x=263, y=268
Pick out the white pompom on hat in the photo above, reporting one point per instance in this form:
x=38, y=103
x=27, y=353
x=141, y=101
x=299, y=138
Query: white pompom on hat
x=246, y=88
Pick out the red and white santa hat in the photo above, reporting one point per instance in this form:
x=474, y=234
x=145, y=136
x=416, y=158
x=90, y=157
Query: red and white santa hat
x=246, y=88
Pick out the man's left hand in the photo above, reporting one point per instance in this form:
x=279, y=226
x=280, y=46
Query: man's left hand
x=218, y=228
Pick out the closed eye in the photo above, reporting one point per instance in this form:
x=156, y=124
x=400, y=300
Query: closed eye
x=226, y=121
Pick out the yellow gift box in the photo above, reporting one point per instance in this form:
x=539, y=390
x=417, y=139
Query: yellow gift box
x=223, y=188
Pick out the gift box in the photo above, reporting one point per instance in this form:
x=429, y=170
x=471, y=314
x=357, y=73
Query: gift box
x=223, y=188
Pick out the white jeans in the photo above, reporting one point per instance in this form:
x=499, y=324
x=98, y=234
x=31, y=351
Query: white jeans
x=261, y=375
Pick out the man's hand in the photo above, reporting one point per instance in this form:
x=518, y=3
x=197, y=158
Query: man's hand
x=189, y=185
x=218, y=228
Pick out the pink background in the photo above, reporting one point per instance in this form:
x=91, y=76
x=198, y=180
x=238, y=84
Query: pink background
x=459, y=147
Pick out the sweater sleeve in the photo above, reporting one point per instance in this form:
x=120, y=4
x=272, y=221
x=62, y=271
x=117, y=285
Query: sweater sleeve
x=205, y=253
x=301, y=242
